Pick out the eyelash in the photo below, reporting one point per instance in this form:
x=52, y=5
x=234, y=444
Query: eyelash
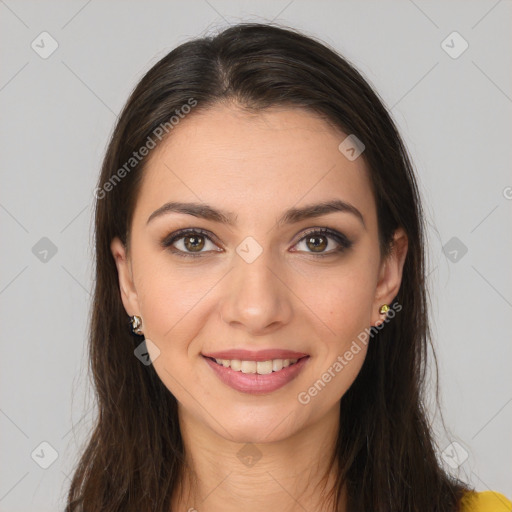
x=342, y=240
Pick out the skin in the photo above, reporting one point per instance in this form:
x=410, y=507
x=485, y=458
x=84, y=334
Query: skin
x=256, y=166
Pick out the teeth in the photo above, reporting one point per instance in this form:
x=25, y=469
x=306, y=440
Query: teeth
x=259, y=367
x=248, y=366
x=264, y=367
x=277, y=364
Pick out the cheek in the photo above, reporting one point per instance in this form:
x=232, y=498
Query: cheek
x=167, y=297
x=344, y=303
x=172, y=302
x=350, y=306
x=345, y=308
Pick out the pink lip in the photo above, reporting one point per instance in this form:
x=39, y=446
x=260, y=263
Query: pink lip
x=253, y=383
x=260, y=355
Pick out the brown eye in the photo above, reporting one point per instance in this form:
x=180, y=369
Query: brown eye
x=193, y=243
x=189, y=242
x=317, y=243
x=318, y=240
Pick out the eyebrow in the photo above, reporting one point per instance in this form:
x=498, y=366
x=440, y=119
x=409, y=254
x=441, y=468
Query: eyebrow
x=290, y=216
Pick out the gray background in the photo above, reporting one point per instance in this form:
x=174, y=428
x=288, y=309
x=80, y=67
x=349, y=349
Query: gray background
x=57, y=114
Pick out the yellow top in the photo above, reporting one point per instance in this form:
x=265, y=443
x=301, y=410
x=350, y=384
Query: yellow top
x=486, y=501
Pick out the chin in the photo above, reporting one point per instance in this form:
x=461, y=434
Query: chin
x=243, y=428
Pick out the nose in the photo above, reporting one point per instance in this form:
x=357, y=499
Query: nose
x=256, y=296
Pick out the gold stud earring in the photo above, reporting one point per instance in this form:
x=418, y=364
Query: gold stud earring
x=384, y=309
x=136, y=322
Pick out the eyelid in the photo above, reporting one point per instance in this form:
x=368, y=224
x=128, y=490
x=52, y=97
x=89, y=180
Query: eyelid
x=332, y=233
x=340, y=238
x=181, y=233
x=344, y=243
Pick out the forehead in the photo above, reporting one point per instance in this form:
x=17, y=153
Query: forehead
x=251, y=163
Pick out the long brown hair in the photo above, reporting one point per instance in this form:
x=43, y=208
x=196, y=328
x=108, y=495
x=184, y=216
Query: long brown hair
x=385, y=448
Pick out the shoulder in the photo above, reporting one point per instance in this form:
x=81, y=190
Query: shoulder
x=485, y=501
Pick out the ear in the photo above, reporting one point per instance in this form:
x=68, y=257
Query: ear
x=124, y=271
x=390, y=276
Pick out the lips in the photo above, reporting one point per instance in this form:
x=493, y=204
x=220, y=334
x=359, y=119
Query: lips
x=256, y=371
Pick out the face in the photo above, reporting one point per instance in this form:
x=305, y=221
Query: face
x=241, y=269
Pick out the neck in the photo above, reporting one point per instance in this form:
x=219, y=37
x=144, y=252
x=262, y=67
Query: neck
x=289, y=475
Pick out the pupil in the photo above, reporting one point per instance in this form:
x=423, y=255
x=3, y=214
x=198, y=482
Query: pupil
x=317, y=246
x=194, y=245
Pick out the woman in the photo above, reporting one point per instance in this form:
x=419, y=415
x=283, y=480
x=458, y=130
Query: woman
x=259, y=230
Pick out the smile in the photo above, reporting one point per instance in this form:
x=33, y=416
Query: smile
x=256, y=377
x=259, y=367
